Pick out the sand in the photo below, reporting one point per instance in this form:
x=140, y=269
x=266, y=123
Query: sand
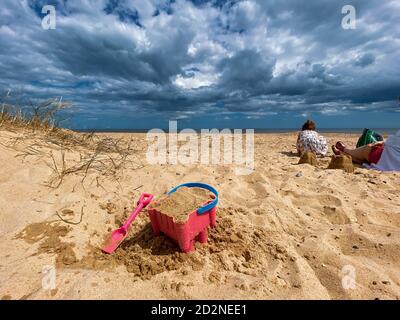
x=181, y=203
x=286, y=231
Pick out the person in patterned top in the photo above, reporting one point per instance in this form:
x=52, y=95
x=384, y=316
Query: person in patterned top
x=309, y=140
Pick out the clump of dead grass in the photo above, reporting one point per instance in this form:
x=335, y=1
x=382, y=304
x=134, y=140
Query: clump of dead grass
x=32, y=116
x=67, y=152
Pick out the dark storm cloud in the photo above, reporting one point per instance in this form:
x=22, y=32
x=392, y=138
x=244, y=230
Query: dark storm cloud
x=185, y=57
x=364, y=60
x=246, y=70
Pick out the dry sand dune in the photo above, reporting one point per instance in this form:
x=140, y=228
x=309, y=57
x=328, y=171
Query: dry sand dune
x=286, y=231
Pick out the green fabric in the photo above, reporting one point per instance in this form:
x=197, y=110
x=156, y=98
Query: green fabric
x=368, y=136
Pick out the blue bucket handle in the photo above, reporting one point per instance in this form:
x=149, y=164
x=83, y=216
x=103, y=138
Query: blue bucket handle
x=206, y=207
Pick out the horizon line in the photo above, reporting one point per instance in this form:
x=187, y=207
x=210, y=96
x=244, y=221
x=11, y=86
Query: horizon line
x=260, y=130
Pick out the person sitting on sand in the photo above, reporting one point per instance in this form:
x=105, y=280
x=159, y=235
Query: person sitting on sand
x=383, y=156
x=370, y=153
x=309, y=140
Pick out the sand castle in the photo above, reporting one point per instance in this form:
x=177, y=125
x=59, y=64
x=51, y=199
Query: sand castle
x=308, y=157
x=343, y=162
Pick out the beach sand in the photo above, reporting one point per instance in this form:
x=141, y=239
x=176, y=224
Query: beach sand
x=286, y=231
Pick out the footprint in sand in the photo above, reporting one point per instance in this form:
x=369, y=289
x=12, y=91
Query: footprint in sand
x=257, y=220
x=329, y=206
x=320, y=200
x=336, y=215
x=329, y=200
x=383, y=213
x=260, y=190
x=256, y=183
x=356, y=244
x=384, y=217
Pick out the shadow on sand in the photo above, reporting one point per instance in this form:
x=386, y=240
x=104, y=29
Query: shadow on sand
x=290, y=154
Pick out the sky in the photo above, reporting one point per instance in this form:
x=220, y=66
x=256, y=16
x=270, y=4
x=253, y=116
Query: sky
x=136, y=64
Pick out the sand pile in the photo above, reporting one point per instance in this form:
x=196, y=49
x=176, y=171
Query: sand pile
x=182, y=202
x=231, y=247
x=309, y=157
x=343, y=162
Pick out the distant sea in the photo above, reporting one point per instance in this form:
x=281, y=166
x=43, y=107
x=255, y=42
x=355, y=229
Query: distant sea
x=332, y=130
x=385, y=131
